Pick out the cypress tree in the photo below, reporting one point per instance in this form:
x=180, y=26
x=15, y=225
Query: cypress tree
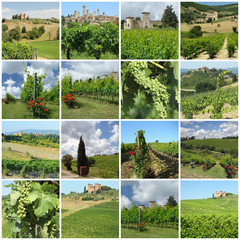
x=81, y=157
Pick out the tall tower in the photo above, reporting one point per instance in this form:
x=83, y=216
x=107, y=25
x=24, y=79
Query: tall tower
x=75, y=14
x=84, y=10
x=115, y=76
x=79, y=14
x=87, y=13
x=94, y=14
x=152, y=204
x=98, y=11
x=145, y=18
x=103, y=13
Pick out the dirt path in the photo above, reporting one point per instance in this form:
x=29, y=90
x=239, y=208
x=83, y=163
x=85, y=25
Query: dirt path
x=163, y=165
x=223, y=53
x=68, y=175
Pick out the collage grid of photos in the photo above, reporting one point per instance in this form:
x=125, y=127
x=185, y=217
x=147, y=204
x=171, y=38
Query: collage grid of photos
x=119, y=119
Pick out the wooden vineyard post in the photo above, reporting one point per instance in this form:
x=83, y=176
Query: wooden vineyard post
x=217, y=92
x=138, y=139
x=35, y=86
x=231, y=162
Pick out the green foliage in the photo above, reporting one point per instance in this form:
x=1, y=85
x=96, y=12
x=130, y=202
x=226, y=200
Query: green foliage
x=170, y=148
x=66, y=84
x=47, y=140
x=93, y=39
x=51, y=95
x=28, y=88
x=67, y=161
x=15, y=33
x=232, y=44
x=4, y=28
x=32, y=206
x=191, y=47
x=195, y=32
x=209, y=226
x=151, y=216
x=169, y=17
x=24, y=30
x=87, y=224
x=31, y=166
x=149, y=91
x=149, y=44
x=10, y=97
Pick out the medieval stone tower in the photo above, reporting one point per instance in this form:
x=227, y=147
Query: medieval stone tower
x=129, y=24
x=84, y=11
x=146, y=19
x=94, y=189
x=220, y=194
x=142, y=207
x=152, y=204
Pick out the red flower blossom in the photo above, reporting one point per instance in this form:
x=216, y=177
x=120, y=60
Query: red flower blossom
x=129, y=167
x=41, y=99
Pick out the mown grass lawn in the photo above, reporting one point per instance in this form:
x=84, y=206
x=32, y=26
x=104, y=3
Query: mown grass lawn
x=19, y=110
x=152, y=232
x=47, y=49
x=89, y=108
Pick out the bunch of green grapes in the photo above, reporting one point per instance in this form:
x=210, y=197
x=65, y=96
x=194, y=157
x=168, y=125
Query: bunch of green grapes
x=53, y=229
x=24, y=201
x=153, y=87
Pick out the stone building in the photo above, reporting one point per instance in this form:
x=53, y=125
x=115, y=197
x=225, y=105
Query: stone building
x=21, y=16
x=144, y=23
x=220, y=194
x=212, y=14
x=152, y=204
x=94, y=189
x=20, y=133
x=91, y=18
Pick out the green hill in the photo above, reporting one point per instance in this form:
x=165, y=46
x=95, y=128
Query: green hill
x=99, y=221
x=220, y=206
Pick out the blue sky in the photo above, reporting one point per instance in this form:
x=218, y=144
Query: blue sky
x=216, y=3
x=209, y=129
x=205, y=189
x=78, y=186
x=209, y=64
x=11, y=126
x=85, y=70
x=164, y=131
x=14, y=76
x=110, y=8
x=32, y=9
x=100, y=137
x=143, y=191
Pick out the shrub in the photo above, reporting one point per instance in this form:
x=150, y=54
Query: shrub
x=234, y=29
x=10, y=98
x=4, y=28
x=195, y=32
x=41, y=30
x=69, y=100
x=15, y=33
x=38, y=108
x=24, y=29
x=67, y=161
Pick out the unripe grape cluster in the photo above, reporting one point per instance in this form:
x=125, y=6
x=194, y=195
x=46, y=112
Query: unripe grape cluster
x=24, y=201
x=157, y=90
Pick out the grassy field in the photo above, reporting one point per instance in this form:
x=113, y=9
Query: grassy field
x=220, y=206
x=104, y=167
x=153, y=232
x=99, y=221
x=90, y=108
x=225, y=26
x=19, y=110
x=18, y=151
x=75, y=55
x=47, y=49
x=215, y=172
x=228, y=145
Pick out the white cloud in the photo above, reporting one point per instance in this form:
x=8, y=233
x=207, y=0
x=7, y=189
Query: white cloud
x=125, y=202
x=15, y=91
x=92, y=137
x=115, y=136
x=223, y=130
x=85, y=70
x=159, y=191
x=156, y=9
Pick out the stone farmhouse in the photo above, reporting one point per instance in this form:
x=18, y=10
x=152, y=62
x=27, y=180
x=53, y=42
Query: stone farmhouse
x=131, y=23
x=20, y=133
x=94, y=189
x=152, y=204
x=220, y=194
x=212, y=14
x=21, y=16
x=91, y=18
